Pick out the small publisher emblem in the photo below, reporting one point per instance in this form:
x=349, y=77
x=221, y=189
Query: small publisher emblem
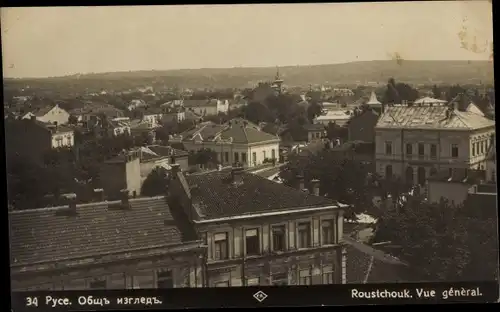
x=260, y=296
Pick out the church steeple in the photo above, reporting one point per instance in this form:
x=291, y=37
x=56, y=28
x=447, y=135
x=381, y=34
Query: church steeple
x=278, y=82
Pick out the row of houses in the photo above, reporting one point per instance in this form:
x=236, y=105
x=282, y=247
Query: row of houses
x=220, y=229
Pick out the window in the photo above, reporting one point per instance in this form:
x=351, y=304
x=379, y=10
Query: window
x=221, y=246
x=481, y=147
x=236, y=158
x=263, y=154
x=327, y=274
x=279, y=236
x=473, y=149
x=164, y=279
x=421, y=150
x=454, y=150
x=226, y=157
x=244, y=157
x=254, y=157
x=388, y=148
x=304, y=230
x=252, y=242
x=98, y=284
x=388, y=171
x=253, y=281
x=493, y=176
x=279, y=279
x=305, y=277
x=222, y=284
x=273, y=154
x=409, y=149
x=433, y=150
x=327, y=232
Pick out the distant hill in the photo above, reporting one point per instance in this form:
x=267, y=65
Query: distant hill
x=369, y=72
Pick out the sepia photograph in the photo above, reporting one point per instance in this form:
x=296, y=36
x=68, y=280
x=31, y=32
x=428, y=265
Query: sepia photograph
x=202, y=146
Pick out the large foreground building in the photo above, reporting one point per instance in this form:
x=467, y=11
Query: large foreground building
x=219, y=229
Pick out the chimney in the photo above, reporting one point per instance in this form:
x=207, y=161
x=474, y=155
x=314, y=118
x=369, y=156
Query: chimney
x=315, y=186
x=237, y=173
x=71, y=202
x=300, y=182
x=124, y=197
x=175, y=169
x=33, y=118
x=99, y=195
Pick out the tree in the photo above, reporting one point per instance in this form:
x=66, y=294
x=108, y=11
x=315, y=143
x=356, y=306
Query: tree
x=441, y=241
x=257, y=112
x=397, y=92
x=345, y=180
x=155, y=183
x=334, y=132
x=204, y=157
x=313, y=110
x=72, y=120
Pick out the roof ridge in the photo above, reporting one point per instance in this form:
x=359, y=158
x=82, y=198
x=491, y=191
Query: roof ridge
x=83, y=205
x=461, y=120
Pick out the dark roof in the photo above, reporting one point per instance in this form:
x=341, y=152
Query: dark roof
x=200, y=103
x=223, y=198
x=367, y=265
x=459, y=175
x=313, y=148
x=42, y=111
x=315, y=127
x=151, y=110
x=40, y=235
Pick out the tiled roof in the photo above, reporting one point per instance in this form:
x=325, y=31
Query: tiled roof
x=221, y=197
x=459, y=175
x=236, y=130
x=200, y=103
x=367, y=265
x=42, y=235
x=431, y=117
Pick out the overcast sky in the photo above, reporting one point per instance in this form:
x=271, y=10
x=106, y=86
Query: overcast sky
x=41, y=42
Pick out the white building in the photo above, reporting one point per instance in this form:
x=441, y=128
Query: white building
x=49, y=114
x=237, y=141
x=429, y=138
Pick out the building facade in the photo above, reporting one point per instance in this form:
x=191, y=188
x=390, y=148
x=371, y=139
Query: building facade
x=415, y=142
x=207, y=107
x=95, y=246
x=294, y=239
